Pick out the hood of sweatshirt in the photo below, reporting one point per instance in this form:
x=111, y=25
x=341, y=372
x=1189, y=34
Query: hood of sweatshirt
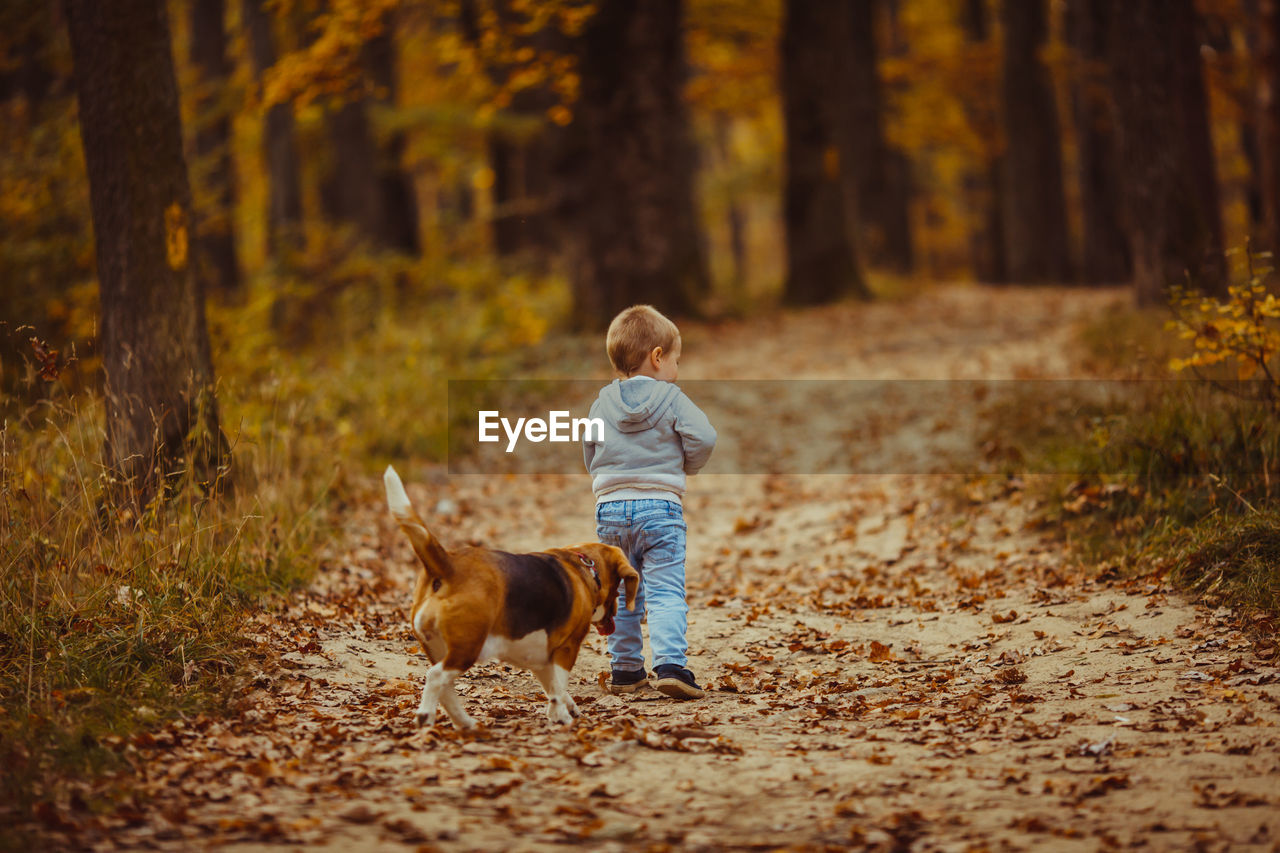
x=636, y=404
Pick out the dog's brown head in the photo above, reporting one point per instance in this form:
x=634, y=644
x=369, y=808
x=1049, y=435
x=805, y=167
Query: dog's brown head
x=612, y=569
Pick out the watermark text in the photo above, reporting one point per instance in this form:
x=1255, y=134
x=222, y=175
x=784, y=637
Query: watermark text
x=558, y=426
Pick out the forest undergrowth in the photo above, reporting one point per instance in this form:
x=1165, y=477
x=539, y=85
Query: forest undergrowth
x=1181, y=476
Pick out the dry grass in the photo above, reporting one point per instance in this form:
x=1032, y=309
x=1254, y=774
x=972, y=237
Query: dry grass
x=1235, y=559
x=1185, y=476
x=109, y=625
x=106, y=625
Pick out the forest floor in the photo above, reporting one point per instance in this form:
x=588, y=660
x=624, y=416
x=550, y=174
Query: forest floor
x=898, y=661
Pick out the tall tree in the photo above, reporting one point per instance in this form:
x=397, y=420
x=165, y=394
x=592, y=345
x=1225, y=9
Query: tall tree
x=880, y=173
x=279, y=140
x=627, y=167
x=162, y=416
x=215, y=241
x=349, y=189
x=521, y=161
x=1036, y=242
x=1269, y=117
x=986, y=189
x=398, y=198
x=1104, y=255
x=522, y=144
x=365, y=183
x=1166, y=153
x=822, y=261
x=28, y=34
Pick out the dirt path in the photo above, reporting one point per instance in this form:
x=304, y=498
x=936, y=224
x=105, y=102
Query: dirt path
x=885, y=669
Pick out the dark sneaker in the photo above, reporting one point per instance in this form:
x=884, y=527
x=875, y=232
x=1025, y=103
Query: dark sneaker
x=627, y=680
x=676, y=681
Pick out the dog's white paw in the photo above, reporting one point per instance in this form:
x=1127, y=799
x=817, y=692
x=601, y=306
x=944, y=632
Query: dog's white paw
x=558, y=713
x=425, y=719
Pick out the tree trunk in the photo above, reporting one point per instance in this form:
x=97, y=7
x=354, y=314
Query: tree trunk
x=1104, y=256
x=522, y=145
x=1269, y=118
x=521, y=194
x=215, y=243
x=279, y=142
x=29, y=40
x=162, y=416
x=1162, y=126
x=365, y=184
x=1189, y=80
x=986, y=186
x=822, y=262
x=1036, y=242
x=1250, y=130
x=628, y=164
x=881, y=175
x=397, y=197
x=350, y=189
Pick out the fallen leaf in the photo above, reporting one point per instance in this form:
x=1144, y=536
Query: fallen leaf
x=1100, y=785
x=880, y=652
x=359, y=813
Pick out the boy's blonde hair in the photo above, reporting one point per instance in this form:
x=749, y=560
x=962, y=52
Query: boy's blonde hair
x=634, y=333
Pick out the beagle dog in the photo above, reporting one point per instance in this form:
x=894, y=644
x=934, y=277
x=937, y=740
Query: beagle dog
x=531, y=610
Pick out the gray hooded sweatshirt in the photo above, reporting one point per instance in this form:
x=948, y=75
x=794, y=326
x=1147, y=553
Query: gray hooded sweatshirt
x=653, y=436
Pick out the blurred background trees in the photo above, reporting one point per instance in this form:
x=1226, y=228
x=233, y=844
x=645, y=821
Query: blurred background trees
x=1168, y=173
x=1035, y=242
x=1104, y=244
x=558, y=160
x=820, y=194
x=627, y=167
x=216, y=257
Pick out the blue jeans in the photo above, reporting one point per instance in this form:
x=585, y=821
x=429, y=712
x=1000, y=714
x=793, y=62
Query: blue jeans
x=652, y=535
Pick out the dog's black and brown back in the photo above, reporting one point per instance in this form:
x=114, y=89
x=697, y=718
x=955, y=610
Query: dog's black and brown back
x=539, y=592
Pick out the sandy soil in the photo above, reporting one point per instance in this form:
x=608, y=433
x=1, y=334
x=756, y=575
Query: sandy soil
x=901, y=662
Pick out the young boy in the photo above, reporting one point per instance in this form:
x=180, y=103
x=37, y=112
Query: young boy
x=654, y=436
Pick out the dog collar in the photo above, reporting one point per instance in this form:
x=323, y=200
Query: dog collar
x=590, y=564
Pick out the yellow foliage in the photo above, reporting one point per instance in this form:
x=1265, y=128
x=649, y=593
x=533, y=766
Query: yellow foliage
x=1241, y=332
x=733, y=49
x=482, y=178
x=560, y=114
x=942, y=108
x=330, y=65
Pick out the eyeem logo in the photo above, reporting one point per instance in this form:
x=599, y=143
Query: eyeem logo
x=558, y=427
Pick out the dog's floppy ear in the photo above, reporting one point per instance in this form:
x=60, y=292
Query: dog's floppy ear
x=622, y=572
x=630, y=580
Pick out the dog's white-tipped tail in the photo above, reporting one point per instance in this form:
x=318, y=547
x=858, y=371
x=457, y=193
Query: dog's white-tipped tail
x=397, y=498
x=435, y=559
